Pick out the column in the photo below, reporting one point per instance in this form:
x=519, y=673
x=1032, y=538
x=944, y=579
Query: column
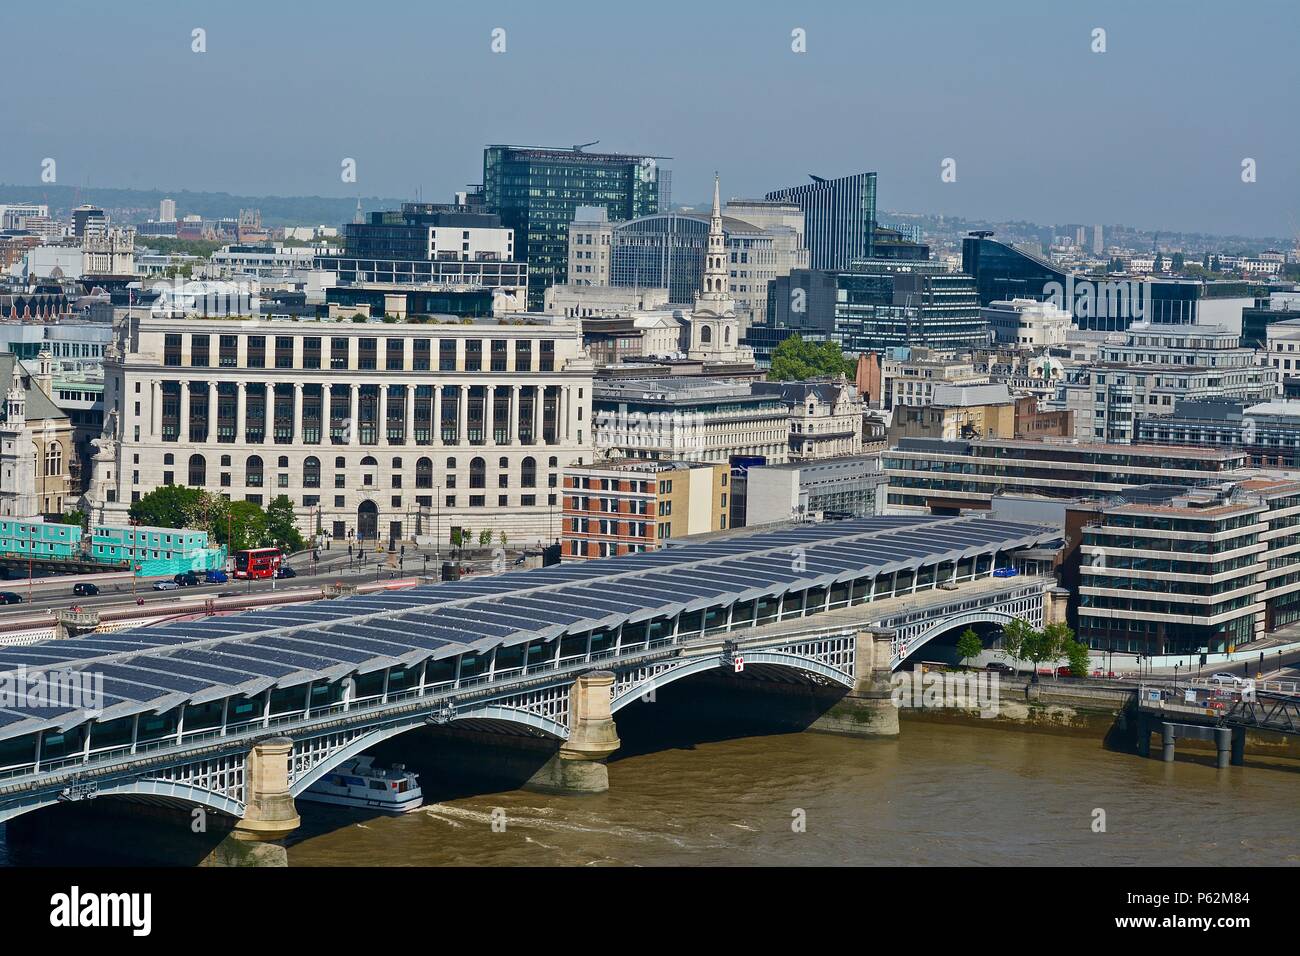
x=383, y=414
x=297, y=413
x=462, y=414
x=325, y=413
x=241, y=412
x=514, y=414
x=437, y=415
x=409, y=431
x=539, y=395
x=354, y=431
x=212, y=413
x=184, y=431
x=268, y=417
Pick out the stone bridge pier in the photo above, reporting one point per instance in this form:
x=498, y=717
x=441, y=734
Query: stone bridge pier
x=579, y=765
x=867, y=710
x=269, y=811
x=69, y=623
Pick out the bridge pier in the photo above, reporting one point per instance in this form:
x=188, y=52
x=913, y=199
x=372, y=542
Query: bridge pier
x=868, y=709
x=579, y=767
x=269, y=811
x=1229, y=742
x=69, y=623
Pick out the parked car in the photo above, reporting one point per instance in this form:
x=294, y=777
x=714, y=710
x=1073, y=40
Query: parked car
x=85, y=589
x=284, y=571
x=186, y=579
x=216, y=576
x=1064, y=672
x=999, y=667
x=1227, y=679
x=1005, y=572
x=9, y=597
x=166, y=586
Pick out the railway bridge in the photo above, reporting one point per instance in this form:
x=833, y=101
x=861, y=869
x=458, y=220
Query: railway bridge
x=242, y=713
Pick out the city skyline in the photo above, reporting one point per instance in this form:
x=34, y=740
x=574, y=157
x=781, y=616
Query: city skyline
x=1111, y=130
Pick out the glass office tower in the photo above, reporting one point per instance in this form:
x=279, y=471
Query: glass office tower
x=536, y=190
x=839, y=218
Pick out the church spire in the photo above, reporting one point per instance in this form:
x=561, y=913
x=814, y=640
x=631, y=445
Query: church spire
x=715, y=282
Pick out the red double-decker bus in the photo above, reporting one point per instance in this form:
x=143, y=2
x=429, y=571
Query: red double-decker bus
x=257, y=562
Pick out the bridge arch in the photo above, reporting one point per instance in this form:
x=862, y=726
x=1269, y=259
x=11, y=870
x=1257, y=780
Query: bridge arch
x=906, y=645
x=633, y=686
x=143, y=786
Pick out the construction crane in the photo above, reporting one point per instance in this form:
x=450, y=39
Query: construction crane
x=580, y=148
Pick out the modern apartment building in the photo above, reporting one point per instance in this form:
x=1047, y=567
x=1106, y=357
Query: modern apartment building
x=387, y=430
x=630, y=506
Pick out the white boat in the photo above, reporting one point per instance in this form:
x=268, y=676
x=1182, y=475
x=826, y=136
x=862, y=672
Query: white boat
x=359, y=783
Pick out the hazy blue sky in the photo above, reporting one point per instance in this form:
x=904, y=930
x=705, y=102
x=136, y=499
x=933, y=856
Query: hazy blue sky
x=1150, y=133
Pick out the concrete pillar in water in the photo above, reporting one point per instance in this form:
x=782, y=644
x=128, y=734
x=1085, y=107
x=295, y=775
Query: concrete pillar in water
x=1167, y=738
x=579, y=765
x=868, y=709
x=1238, y=746
x=269, y=812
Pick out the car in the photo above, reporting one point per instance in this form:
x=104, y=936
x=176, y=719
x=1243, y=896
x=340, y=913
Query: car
x=9, y=597
x=166, y=586
x=284, y=571
x=1226, y=679
x=1005, y=572
x=216, y=576
x=85, y=589
x=186, y=579
x=998, y=666
x=1064, y=672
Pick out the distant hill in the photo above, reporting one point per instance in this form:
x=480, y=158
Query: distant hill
x=131, y=206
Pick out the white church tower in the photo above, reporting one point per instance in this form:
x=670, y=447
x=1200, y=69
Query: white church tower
x=715, y=330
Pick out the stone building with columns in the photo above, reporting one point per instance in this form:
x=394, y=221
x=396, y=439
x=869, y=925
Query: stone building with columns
x=373, y=430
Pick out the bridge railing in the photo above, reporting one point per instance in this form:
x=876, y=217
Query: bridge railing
x=359, y=707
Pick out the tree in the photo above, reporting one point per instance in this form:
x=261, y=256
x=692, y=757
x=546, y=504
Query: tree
x=969, y=645
x=461, y=537
x=485, y=537
x=1177, y=262
x=171, y=506
x=1080, y=662
x=1049, y=644
x=77, y=518
x=240, y=525
x=795, y=360
x=282, y=525
x=1015, y=634
x=501, y=536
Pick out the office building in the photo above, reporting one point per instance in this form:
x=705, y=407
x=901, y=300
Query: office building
x=1268, y=432
x=537, y=190
x=839, y=218
x=692, y=419
x=930, y=475
x=833, y=488
x=825, y=417
x=978, y=411
x=393, y=430
x=1027, y=323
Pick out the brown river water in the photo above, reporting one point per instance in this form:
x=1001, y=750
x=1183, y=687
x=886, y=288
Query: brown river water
x=940, y=794
x=943, y=793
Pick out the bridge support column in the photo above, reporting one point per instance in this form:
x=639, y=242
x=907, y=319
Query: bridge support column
x=868, y=709
x=579, y=765
x=74, y=623
x=269, y=812
x=1167, y=742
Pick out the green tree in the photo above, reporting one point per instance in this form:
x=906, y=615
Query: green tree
x=1080, y=662
x=795, y=360
x=1049, y=644
x=485, y=537
x=282, y=525
x=239, y=525
x=1015, y=635
x=77, y=518
x=171, y=506
x=969, y=645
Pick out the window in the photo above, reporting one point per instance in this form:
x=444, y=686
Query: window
x=311, y=473
x=284, y=351
x=53, y=459
x=395, y=355
x=477, y=473
x=424, y=473
x=257, y=351
x=253, y=471
x=311, y=352
x=338, y=353
x=198, y=351
x=198, y=476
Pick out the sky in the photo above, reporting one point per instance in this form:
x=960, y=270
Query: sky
x=1150, y=133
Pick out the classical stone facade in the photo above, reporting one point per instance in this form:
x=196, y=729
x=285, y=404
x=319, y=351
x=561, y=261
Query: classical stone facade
x=387, y=430
x=36, y=443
